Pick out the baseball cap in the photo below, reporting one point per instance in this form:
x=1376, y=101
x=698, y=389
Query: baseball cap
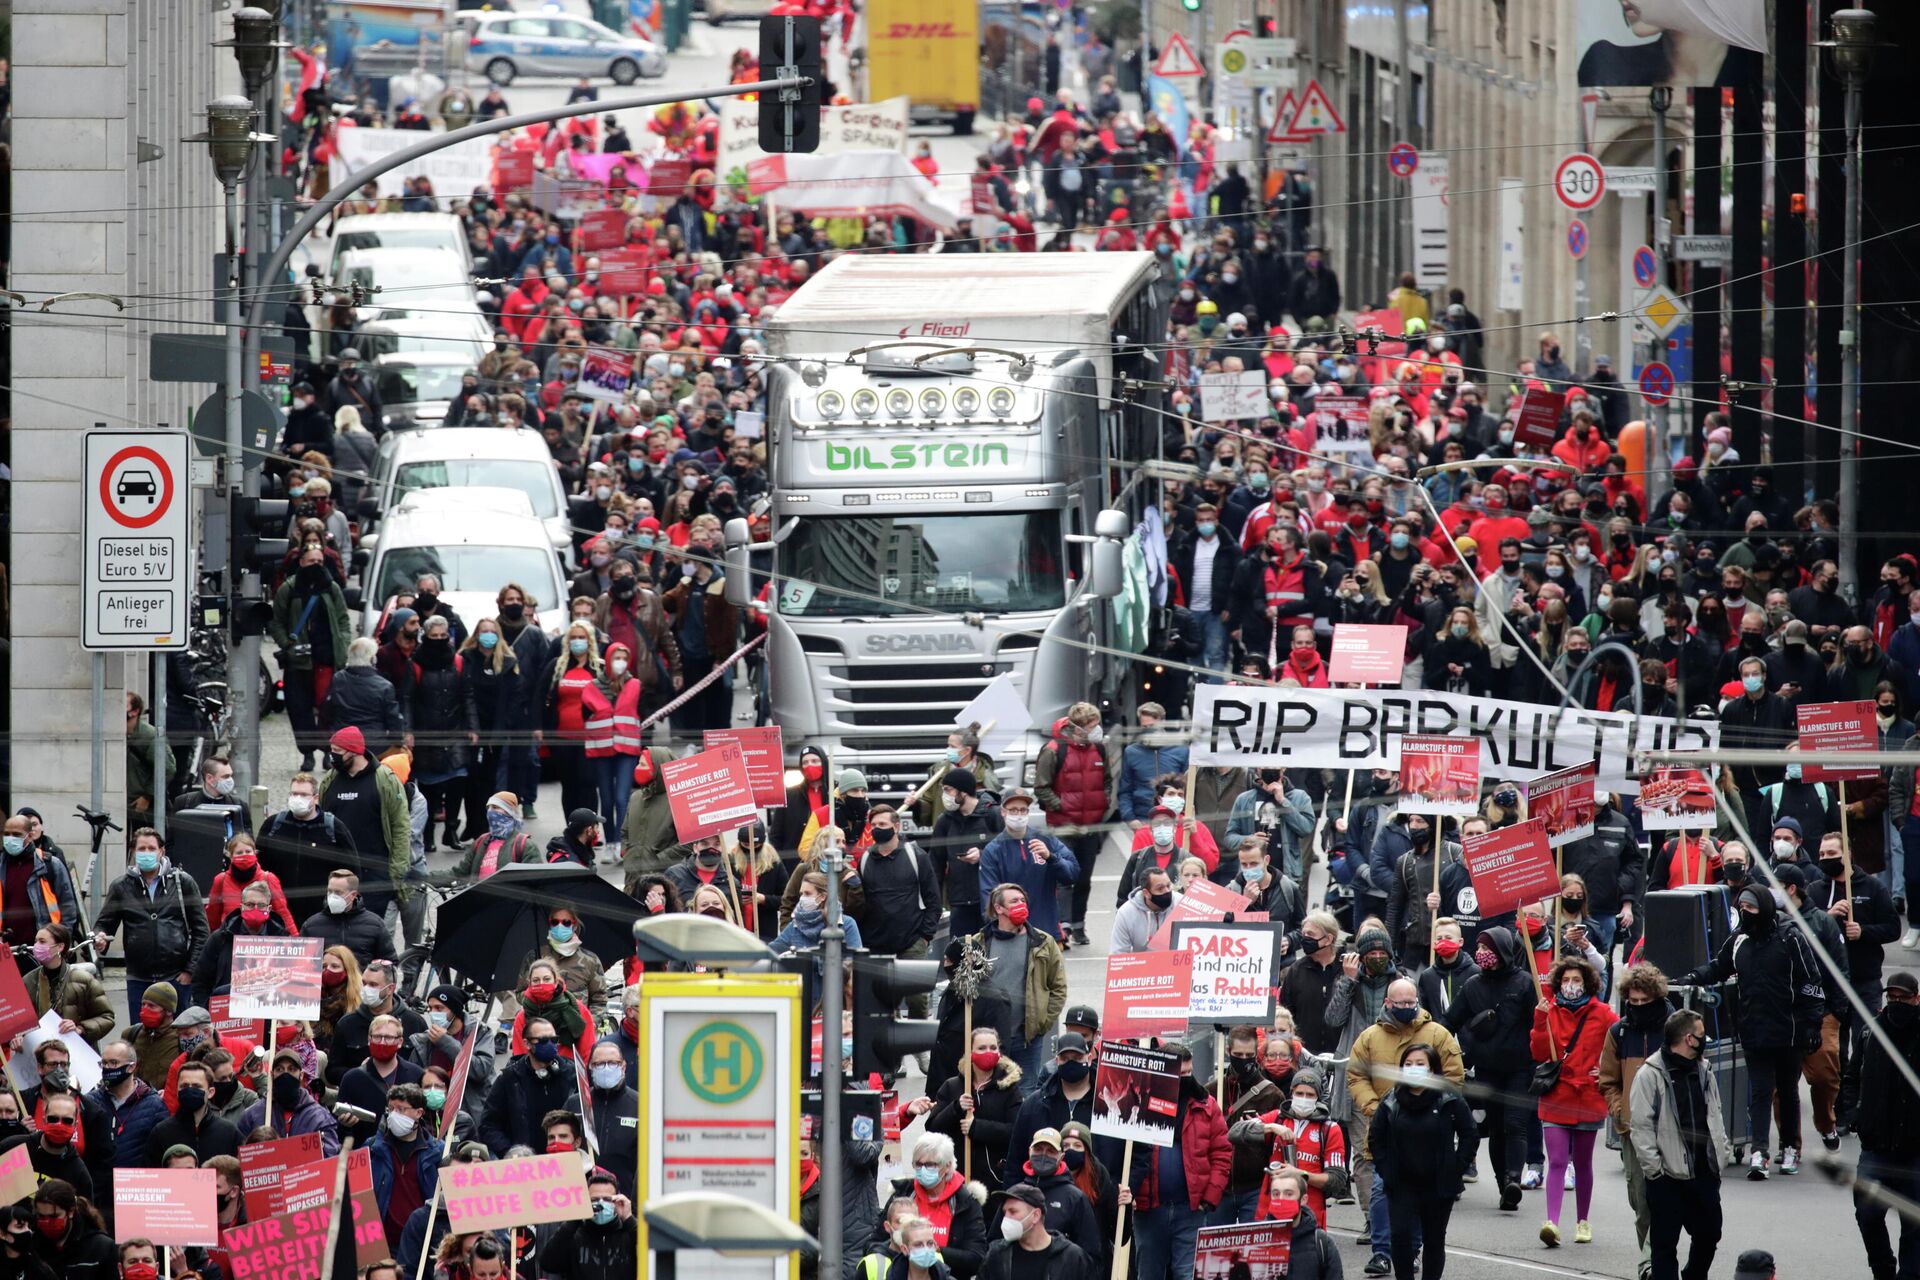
x=1082, y=1015
x=1070, y=1042
x=1045, y=1137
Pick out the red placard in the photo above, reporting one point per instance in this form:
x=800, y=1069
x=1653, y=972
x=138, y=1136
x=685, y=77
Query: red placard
x=764, y=754
x=1676, y=799
x=1440, y=776
x=1250, y=1251
x=17, y=1177
x=603, y=229
x=1539, y=420
x=219, y=1008
x=167, y=1206
x=1563, y=802
x=980, y=188
x=668, y=178
x=16, y=1007
x=513, y=171
x=264, y=1167
x=606, y=373
x=1368, y=654
x=1202, y=900
x=457, y=1085
x=623, y=272
x=1147, y=994
x=276, y=978
x=709, y=792
x=285, y=1246
x=1510, y=867
x=1837, y=726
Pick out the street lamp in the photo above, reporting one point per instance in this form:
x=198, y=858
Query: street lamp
x=230, y=140
x=1851, y=52
x=254, y=44
x=680, y=938
x=1659, y=444
x=723, y=1223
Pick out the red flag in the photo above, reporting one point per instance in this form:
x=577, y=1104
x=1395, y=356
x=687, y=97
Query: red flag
x=312, y=72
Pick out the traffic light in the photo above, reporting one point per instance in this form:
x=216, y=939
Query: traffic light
x=1191, y=6
x=880, y=1039
x=259, y=544
x=790, y=118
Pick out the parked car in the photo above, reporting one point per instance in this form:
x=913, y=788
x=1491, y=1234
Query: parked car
x=503, y=46
x=473, y=539
x=437, y=232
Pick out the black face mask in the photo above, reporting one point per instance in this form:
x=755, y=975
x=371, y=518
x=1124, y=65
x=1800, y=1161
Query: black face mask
x=1422, y=836
x=1902, y=1017
x=1073, y=1072
x=224, y=1091
x=1160, y=901
x=1245, y=1068
x=1379, y=785
x=425, y=603
x=1733, y=873
x=624, y=589
x=287, y=1092
x=1043, y=1166
x=1833, y=868
x=1647, y=1016
x=513, y=612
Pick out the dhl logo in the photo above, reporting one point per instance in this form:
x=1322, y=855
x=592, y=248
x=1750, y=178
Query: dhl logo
x=922, y=31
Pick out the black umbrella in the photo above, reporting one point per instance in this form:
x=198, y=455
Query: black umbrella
x=487, y=931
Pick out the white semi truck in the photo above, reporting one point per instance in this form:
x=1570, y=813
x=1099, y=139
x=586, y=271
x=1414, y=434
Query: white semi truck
x=954, y=444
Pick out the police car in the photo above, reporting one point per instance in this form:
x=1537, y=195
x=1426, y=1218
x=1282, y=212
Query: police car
x=505, y=45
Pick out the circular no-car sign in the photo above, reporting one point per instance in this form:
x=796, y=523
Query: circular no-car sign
x=1656, y=382
x=1577, y=239
x=1402, y=159
x=1646, y=270
x=1579, y=181
x=136, y=487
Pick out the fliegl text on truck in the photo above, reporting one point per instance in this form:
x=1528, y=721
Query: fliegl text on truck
x=954, y=446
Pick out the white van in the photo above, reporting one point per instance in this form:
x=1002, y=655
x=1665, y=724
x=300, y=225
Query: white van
x=449, y=461
x=442, y=232
x=475, y=540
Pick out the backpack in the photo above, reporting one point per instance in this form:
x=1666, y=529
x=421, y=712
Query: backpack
x=326, y=821
x=913, y=859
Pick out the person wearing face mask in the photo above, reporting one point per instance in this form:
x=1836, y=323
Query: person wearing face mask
x=979, y=1105
x=533, y=1085
x=579, y=968
x=53, y=1148
x=1492, y=1014
x=1635, y=1037
x=562, y=691
x=806, y=802
x=1037, y=863
x=1182, y=1184
x=369, y=799
x=1422, y=1136
x=71, y=1238
x=1453, y=964
x=1068, y=1211
x=967, y=823
x=438, y=1046
x=1609, y=864
x=1778, y=1010
x=290, y=1107
x=1375, y=796
x=159, y=913
x=345, y=921
x=611, y=706
x=1888, y=1122
x=633, y=615
x=230, y=1093
x=1028, y=1247
x=506, y=841
x=77, y=995
x=1145, y=910
x=251, y=916
x=216, y=790
x=353, y=1032
x=1570, y=1029
x=1168, y=836
x=962, y=753
x=1401, y=1023
x=194, y=1123
x=241, y=872
x=1403, y=859
x=601, y=1246
x=614, y=1105
x=1811, y=807
x=1075, y=775
x=809, y=917
x=1822, y=1065
x=308, y=425
x=439, y=718
x=405, y=1156
x=1248, y=1095
x=132, y=1106
x=1756, y=719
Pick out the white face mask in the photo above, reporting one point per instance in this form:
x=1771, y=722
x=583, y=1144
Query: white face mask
x=1162, y=834
x=1416, y=1073
x=1016, y=822
x=1783, y=850
x=619, y=666
x=401, y=1126
x=299, y=806
x=1012, y=1229
x=337, y=904
x=1304, y=1107
x=1176, y=803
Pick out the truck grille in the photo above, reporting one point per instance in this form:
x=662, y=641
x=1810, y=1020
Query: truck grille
x=907, y=695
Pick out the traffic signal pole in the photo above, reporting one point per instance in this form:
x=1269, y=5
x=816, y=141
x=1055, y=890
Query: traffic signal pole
x=828, y=1144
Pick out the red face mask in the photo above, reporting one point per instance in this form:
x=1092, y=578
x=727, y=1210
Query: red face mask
x=558, y=1144
x=383, y=1052
x=985, y=1060
x=333, y=977
x=1286, y=1209
x=643, y=771
x=807, y=1168
x=1448, y=948
x=285, y=1035
x=541, y=992
x=245, y=862
x=139, y=1271
x=151, y=1016
x=812, y=772
x=1018, y=914
x=254, y=917
x=51, y=1228
x=59, y=1132
x=631, y=1025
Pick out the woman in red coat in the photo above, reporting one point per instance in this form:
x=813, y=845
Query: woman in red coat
x=242, y=869
x=1569, y=1027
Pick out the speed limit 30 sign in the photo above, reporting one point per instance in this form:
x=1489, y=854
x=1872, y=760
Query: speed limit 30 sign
x=1579, y=181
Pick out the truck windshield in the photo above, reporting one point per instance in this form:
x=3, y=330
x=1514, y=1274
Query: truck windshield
x=837, y=566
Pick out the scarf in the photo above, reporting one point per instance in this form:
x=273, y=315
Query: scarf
x=563, y=1011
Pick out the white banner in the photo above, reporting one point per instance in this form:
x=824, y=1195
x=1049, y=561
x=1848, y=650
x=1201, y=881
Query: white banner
x=1225, y=397
x=454, y=171
x=1361, y=729
x=1513, y=231
x=853, y=184
x=859, y=126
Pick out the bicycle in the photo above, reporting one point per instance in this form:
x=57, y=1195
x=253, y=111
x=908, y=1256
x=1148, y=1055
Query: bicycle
x=417, y=970
x=101, y=824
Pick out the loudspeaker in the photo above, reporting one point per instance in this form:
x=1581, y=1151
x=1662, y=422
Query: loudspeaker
x=1686, y=927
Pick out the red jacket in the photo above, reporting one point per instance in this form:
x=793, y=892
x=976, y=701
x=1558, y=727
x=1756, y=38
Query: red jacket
x=223, y=898
x=1208, y=1157
x=1576, y=1099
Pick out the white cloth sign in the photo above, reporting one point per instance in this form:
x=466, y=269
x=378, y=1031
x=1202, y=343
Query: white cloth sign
x=857, y=126
x=853, y=184
x=454, y=171
x=1361, y=729
x=85, y=1065
x=1227, y=396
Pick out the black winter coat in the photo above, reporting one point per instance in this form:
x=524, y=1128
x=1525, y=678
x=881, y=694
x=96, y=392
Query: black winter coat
x=1889, y=1114
x=302, y=854
x=1492, y=1016
x=439, y=719
x=162, y=934
x=359, y=931
x=213, y=971
x=533, y=650
x=1780, y=1002
x=1422, y=1143
x=1609, y=861
x=619, y=1135
x=363, y=698
x=994, y=1110
x=902, y=898
x=1064, y=1261
x=585, y=1251
x=517, y=1101
x=490, y=699
x=214, y=1137
x=86, y=1254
